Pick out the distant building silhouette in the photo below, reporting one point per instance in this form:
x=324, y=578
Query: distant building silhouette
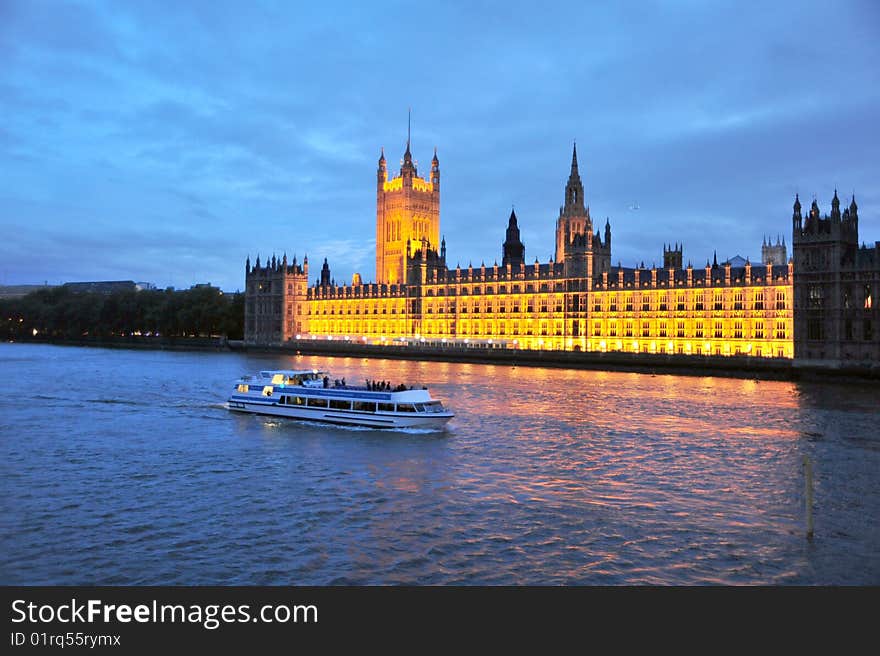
x=102, y=286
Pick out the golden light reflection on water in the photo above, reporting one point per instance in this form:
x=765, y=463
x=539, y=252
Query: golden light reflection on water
x=592, y=458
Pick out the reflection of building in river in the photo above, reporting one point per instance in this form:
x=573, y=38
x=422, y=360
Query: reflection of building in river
x=576, y=301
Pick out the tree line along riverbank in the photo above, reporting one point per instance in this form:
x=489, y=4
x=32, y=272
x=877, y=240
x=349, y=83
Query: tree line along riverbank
x=60, y=313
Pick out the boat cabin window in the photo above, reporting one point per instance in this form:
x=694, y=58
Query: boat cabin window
x=267, y=390
x=316, y=403
x=338, y=404
x=386, y=407
x=406, y=407
x=295, y=400
x=364, y=406
x=420, y=407
x=242, y=388
x=434, y=406
x=278, y=379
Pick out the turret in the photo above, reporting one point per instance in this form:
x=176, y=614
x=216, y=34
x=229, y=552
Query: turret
x=673, y=256
x=513, y=251
x=325, y=273
x=796, y=218
x=382, y=171
x=435, y=170
x=835, y=207
x=607, y=243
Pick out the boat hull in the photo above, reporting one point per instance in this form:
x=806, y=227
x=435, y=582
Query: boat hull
x=433, y=420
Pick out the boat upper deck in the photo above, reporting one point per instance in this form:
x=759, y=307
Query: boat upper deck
x=313, y=382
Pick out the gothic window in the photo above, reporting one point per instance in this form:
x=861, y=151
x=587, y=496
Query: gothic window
x=679, y=331
x=738, y=330
x=815, y=294
x=719, y=331
x=646, y=329
x=698, y=329
x=738, y=300
x=868, y=299
x=780, y=330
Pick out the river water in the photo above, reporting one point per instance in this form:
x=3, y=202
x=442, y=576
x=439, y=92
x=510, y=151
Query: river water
x=124, y=467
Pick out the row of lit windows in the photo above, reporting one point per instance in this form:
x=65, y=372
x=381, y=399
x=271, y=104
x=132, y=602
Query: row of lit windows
x=357, y=327
x=492, y=328
x=693, y=302
x=488, y=290
x=316, y=309
x=502, y=306
x=766, y=350
x=699, y=329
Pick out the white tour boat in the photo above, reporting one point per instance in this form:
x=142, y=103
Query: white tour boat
x=311, y=395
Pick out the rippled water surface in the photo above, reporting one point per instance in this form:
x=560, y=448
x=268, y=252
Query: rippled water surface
x=124, y=467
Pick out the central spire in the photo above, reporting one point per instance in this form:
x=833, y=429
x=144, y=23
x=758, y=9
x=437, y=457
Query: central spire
x=574, y=190
x=407, y=156
x=408, y=132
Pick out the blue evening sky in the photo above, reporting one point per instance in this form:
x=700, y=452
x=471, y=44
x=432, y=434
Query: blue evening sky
x=164, y=142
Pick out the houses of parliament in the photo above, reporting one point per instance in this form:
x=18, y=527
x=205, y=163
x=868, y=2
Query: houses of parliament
x=817, y=306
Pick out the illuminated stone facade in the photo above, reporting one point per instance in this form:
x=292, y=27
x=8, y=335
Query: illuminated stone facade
x=407, y=215
x=578, y=301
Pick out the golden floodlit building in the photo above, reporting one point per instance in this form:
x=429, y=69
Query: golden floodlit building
x=577, y=301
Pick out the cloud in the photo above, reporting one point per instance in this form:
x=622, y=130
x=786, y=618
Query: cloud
x=173, y=143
